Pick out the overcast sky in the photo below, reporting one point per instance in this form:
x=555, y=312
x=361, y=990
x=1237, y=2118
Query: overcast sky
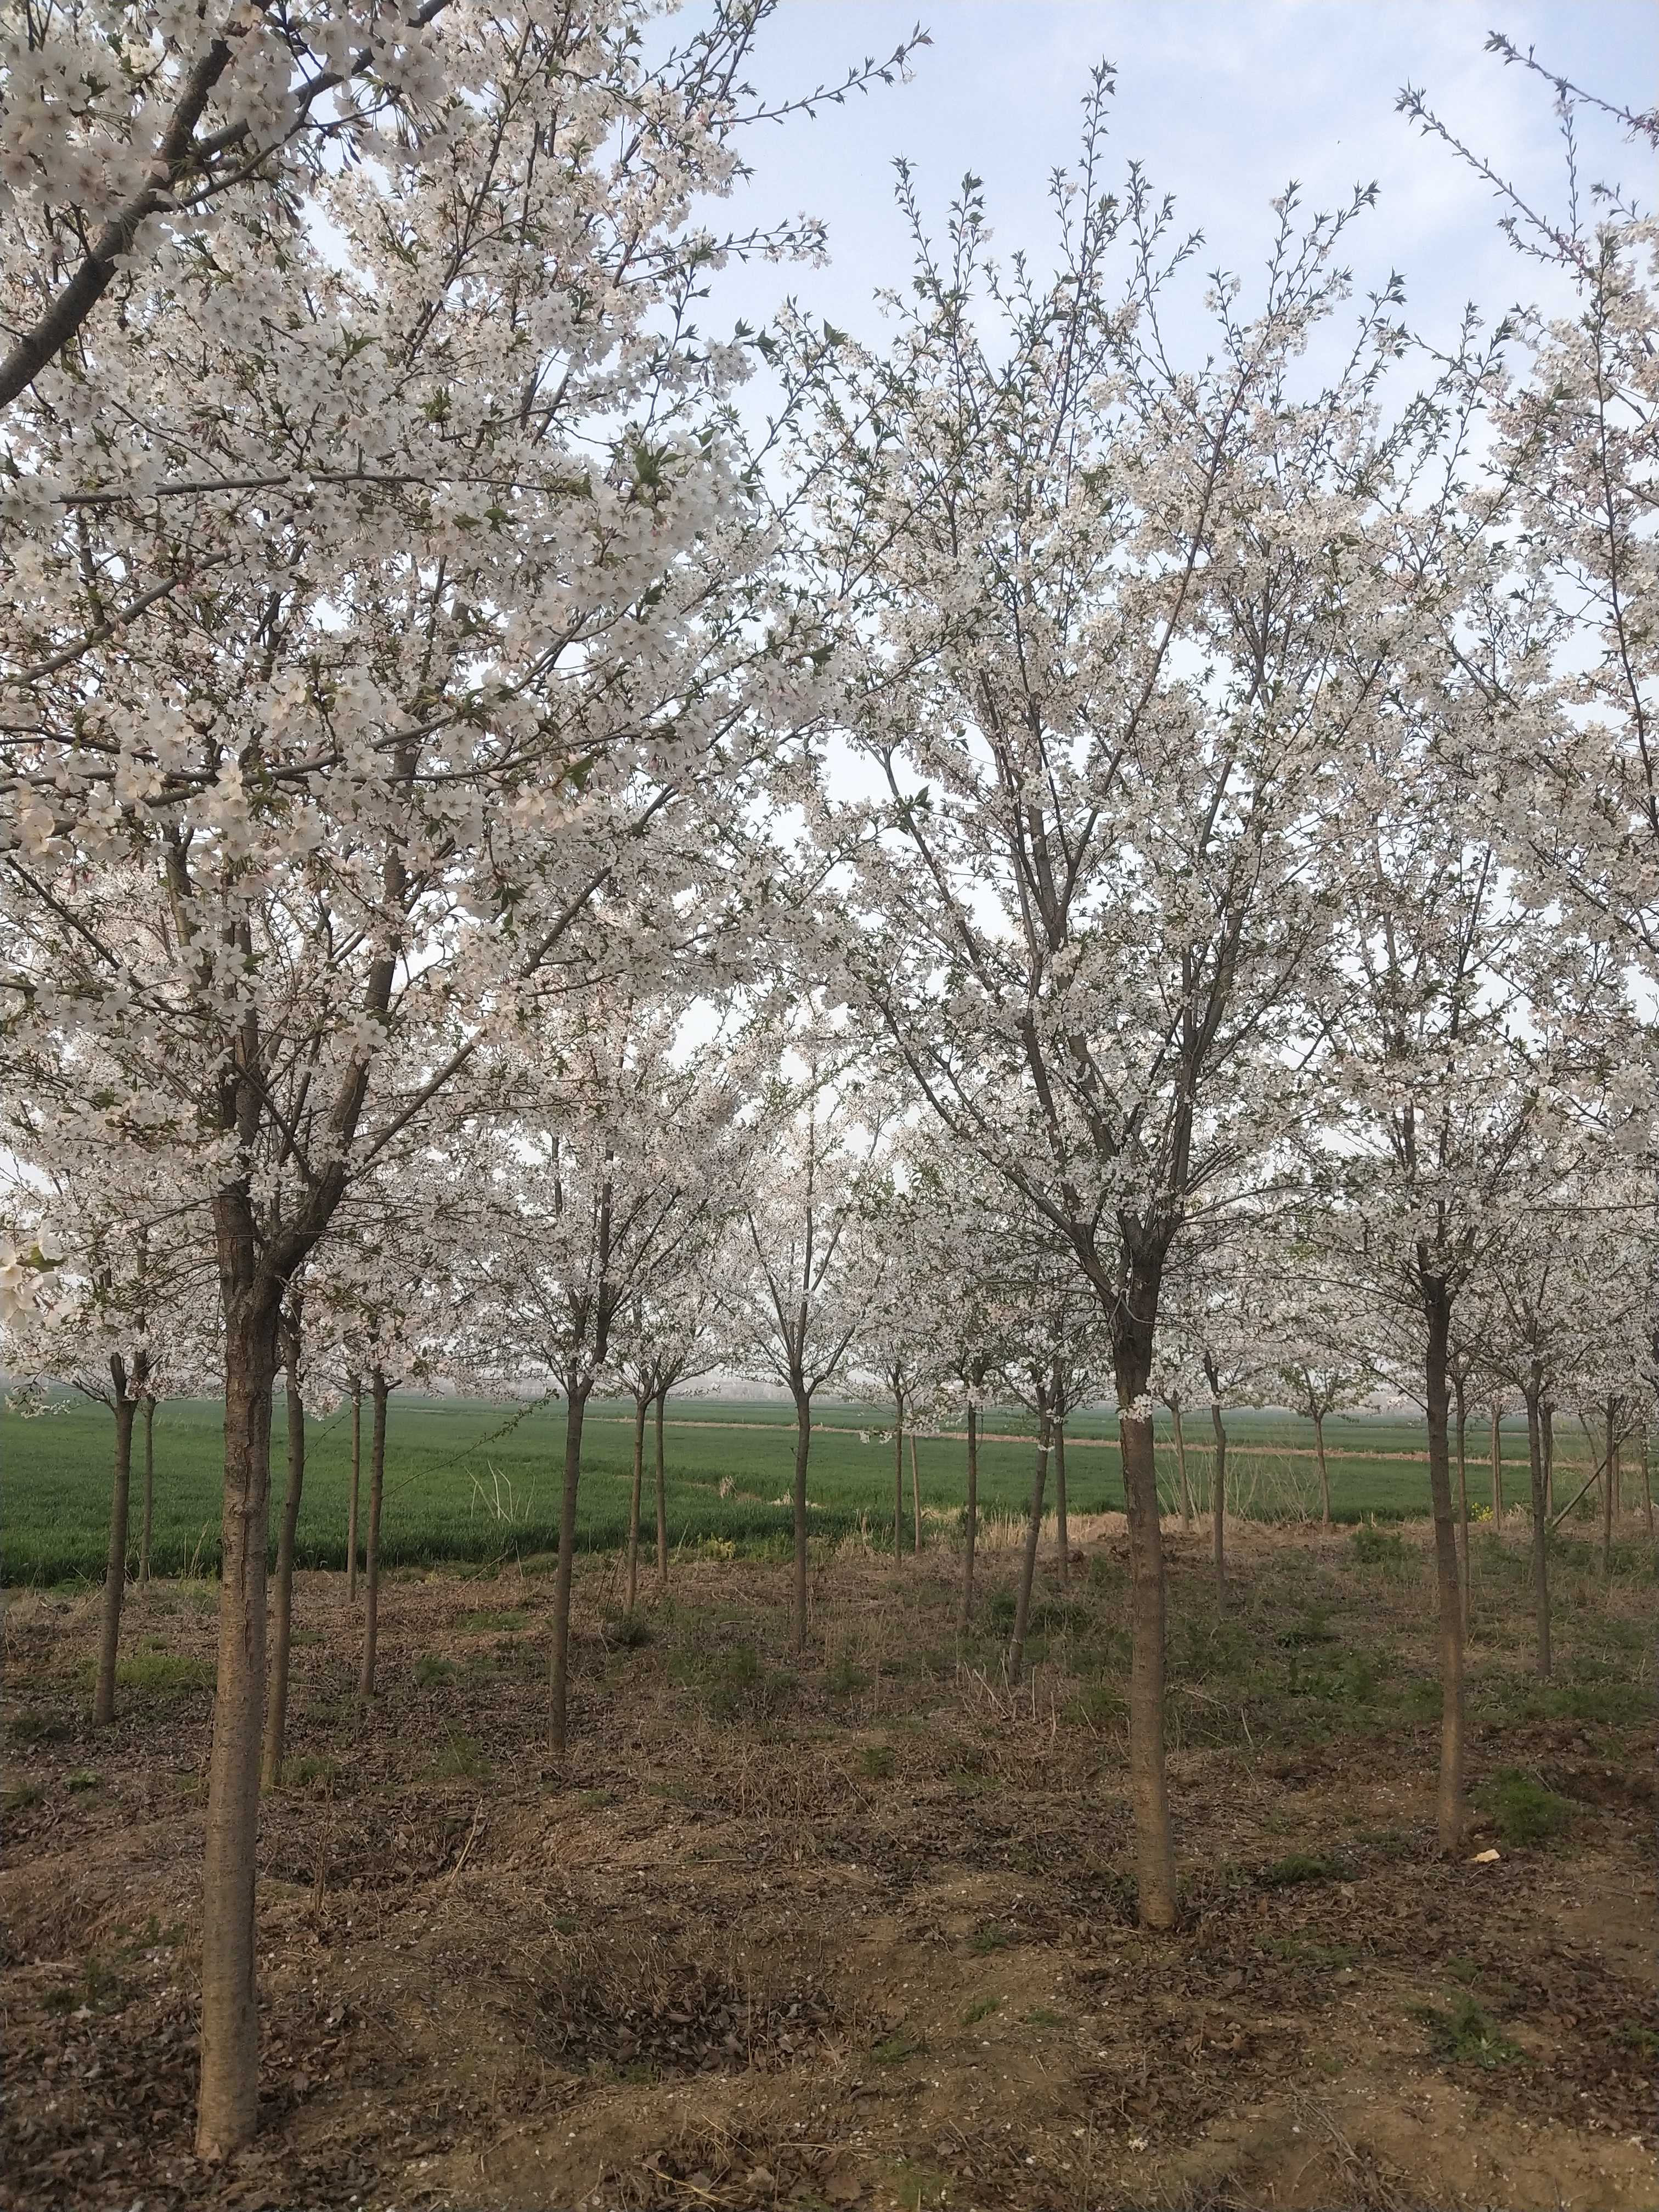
x=1224, y=101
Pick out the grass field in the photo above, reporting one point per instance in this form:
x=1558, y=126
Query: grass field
x=467, y=1480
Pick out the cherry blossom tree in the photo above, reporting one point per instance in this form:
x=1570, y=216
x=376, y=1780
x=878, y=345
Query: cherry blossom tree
x=1111, y=611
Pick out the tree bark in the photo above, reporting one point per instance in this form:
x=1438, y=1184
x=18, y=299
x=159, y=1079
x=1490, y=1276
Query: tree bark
x=380, y=1390
x=662, y=1498
x=1541, y=1565
x=1496, y=1469
x=898, y=1474
x=282, y=1613
x=575, y=1411
x=1218, y=1500
x=1546, y=1418
x=1033, y=1535
x=148, y=1526
x=915, y=1499
x=1149, y=1789
x=228, y=2105
x=640, y=1407
x=1609, y=1486
x=115, y=1572
x=1463, y=1499
x=356, y=1485
x=1188, y=1514
x=1061, y=1527
x=1448, y=1799
x=1647, y=1480
x=798, y=1499
x=970, y=1516
x=1324, y=1473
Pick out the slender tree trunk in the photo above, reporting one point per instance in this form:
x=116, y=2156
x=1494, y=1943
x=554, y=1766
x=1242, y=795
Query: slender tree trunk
x=915, y=1499
x=1609, y=1486
x=1647, y=1481
x=798, y=1494
x=357, y=1481
x=1497, y=1468
x=1547, y=1417
x=1218, y=1500
x=115, y=1572
x=898, y=1474
x=1540, y=1564
x=575, y=1412
x=1060, y=1528
x=147, y=1527
x=970, y=1516
x=1324, y=1471
x=1448, y=1802
x=281, y=1612
x=1033, y=1534
x=380, y=1390
x=642, y=1406
x=1463, y=1501
x=1149, y=1789
x=662, y=1496
x=228, y=2105
x=1187, y=1516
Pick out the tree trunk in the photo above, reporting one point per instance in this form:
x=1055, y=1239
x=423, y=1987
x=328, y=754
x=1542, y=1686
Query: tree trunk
x=970, y=1516
x=281, y=1618
x=1033, y=1533
x=1187, y=1513
x=115, y=1572
x=1647, y=1481
x=148, y=1526
x=1546, y=1418
x=1062, y=1528
x=380, y=1390
x=898, y=1472
x=640, y=1405
x=798, y=1499
x=1324, y=1471
x=1449, y=1801
x=1218, y=1500
x=1149, y=1789
x=356, y=1476
x=662, y=1498
x=915, y=1499
x=575, y=1412
x=1540, y=1565
x=227, y=2105
x=1609, y=1486
x=1497, y=1468
x=1463, y=1501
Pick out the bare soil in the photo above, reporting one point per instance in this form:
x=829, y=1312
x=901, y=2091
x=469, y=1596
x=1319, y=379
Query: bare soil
x=857, y=1931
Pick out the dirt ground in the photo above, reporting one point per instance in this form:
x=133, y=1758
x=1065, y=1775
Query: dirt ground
x=859, y=1931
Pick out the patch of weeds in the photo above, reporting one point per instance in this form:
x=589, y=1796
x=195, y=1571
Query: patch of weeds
x=312, y=1772
x=35, y=1728
x=433, y=1673
x=461, y=1759
x=1522, y=1811
x=876, y=1762
x=1204, y=1647
x=1631, y=2035
x=21, y=1796
x=1055, y=1614
x=593, y=1801
x=630, y=1632
x=1380, y=1547
x=991, y=1937
x=918, y=2187
x=1307, y=1951
x=505, y=1618
x=79, y=1782
x=1466, y=2035
x=161, y=1673
x=982, y=2010
x=1299, y=1867
x=97, y=1988
x=1001, y=1608
x=841, y=1679
x=1314, y=1627
x=1100, y=1705
x=893, y=2049
x=1042, y=2016
x=1387, y=1842
x=298, y=1636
